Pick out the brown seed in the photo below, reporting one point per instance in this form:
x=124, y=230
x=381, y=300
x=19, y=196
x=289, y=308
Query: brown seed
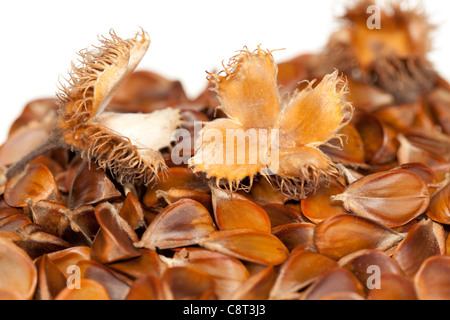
x=409, y=152
x=18, y=273
x=256, y=287
x=114, y=240
x=332, y=281
x=180, y=224
x=89, y=290
x=440, y=205
x=247, y=244
x=68, y=257
x=280, y=214
x=425, y=239
x=295, y=235
x=234, y=211
x=147, y=264
x=132, y=212
x=379, y=140
x=432, y=281
x=91, y=186
x=36, y=242
x=36, y=182
x=175, y=194
x=342, y=295
x=188, y=283
x=399, y=116
x=341, y=235
x=20, y=143
x=351, y=151
x=116, y=285
x=228, y=273
x=263, y=193
x=393, y=287
x=298, y=271
x=177, y=178
x=392, y=198
x=318, y=207
x=50, y=279
x=14, y=222
x=147, y=287
x=359, y=264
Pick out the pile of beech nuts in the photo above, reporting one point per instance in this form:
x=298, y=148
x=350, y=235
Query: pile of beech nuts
x=358, y=209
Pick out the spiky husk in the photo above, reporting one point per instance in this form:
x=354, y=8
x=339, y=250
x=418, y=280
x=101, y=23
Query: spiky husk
x=86, y=95
x=398, y=68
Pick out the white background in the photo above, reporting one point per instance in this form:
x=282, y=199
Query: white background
x=39, y=38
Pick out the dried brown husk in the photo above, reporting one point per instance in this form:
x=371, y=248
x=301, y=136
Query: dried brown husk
x=148, y=263
x=392, y=198
x=69, y=257
x=392, y=57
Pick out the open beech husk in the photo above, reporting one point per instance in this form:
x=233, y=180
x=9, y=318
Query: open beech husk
x=183, y=223
x=18, y=273
x=425, y=239
x=432, y=281
x=298, y=271
x=341, y=235
x=126, y=144
x=392, y=198
x=301, y=165
x=392, y=57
